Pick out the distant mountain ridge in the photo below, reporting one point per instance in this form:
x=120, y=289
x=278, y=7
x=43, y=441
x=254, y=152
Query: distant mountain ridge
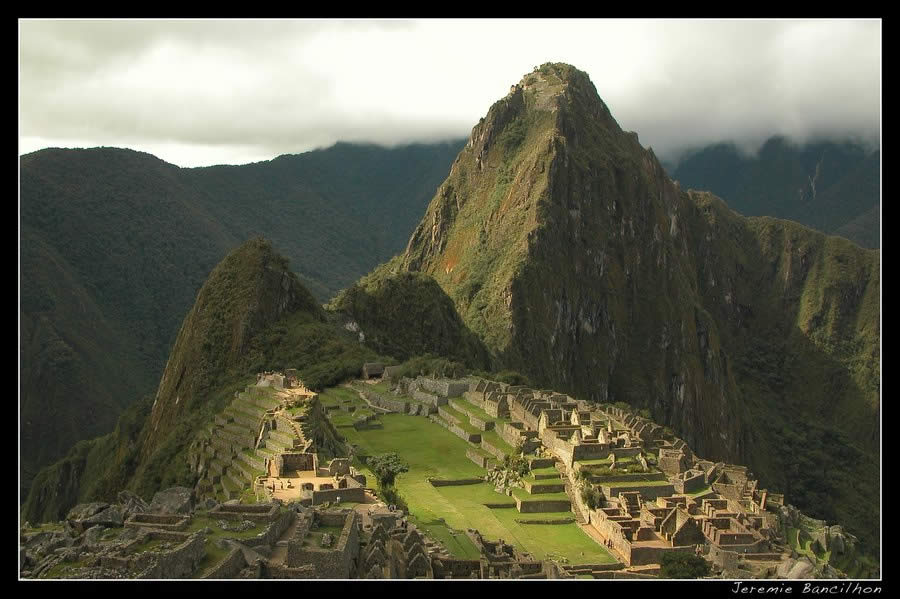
x=115, y=245
x=833, y=187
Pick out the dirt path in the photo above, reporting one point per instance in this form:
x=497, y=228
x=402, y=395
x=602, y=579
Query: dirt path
x=376, y=409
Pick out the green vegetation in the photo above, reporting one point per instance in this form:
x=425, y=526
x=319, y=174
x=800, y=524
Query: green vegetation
x=386, y=467
x=406, y=315
x=431, y=365
x=683, y=565
x=432, y=451
x=591, y=496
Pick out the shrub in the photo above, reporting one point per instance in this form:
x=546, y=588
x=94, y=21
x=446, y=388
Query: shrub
x=683, y=565
x=511, y=377
x=386, y=467
x=591, y=496
x=516, y=464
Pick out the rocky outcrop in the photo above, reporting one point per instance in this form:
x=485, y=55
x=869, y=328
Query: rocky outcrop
x=175, y=500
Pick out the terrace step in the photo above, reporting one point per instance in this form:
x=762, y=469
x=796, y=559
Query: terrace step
x=244, y=470
x=235, y=479
x=230, y=488
x=248, y=407
x=284, y=438
x=254, y=462
x=222, y=419
x=264, y=452
x=275, y=447
x=538, y=488
x=248, y=421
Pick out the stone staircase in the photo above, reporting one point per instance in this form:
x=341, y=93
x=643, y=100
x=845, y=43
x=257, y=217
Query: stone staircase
x=631, y=502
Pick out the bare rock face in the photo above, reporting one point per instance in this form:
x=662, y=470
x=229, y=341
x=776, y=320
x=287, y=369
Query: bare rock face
x=132, y=503
x=92, y=536
x=113, y=516
x=82, y=511
x=175, y=500
x=796, y=569
x=78, y=515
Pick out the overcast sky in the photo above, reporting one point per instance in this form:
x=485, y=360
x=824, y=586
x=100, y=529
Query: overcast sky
x=230, y=92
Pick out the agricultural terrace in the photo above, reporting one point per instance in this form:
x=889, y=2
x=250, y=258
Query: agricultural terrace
x=446, y=512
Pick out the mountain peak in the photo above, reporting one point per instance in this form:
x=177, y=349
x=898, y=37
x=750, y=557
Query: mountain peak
x=248, y=290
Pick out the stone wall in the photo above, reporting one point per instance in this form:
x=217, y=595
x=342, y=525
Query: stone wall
x=446, y=415
x=280, y=572
x=272, y=532
x=539, y=506
x=590, y=451
x=430, y=399
x=263, y=512
x=482, y=461
x=491, y=449
x=481, y=424
x=336, y=563
x=435, y=482
x=392, y=405
x=456, y=568
x=233, y=563
x=539, y=463
x=476, y=398
x=649, y=492
x=348, y=494
x=689, y=484
x=641, y=556
x=296, y=461
x=443, y=387
x=180, y=562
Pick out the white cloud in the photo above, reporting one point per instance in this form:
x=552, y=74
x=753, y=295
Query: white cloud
x=231, y=91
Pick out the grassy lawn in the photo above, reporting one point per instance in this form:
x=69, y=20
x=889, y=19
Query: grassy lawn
x=382, y=387
x=444, y=512
x=336, y=396
x=430, y=449
x=547, y=470
x=526, y=496
x=205, y=521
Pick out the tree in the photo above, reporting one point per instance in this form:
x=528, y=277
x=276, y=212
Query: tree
x=683, y=565
x=386, y=467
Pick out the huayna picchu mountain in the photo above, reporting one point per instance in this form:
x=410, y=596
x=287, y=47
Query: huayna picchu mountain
x=568, y=250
